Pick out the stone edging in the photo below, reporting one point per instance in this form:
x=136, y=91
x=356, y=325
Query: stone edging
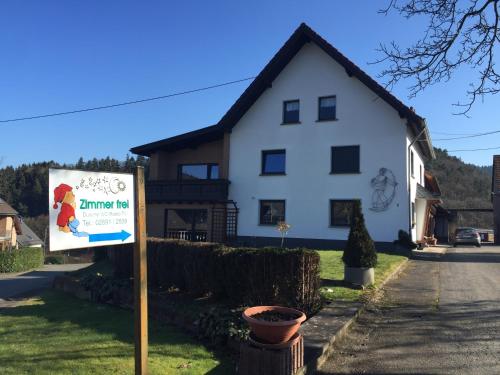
x=319, y=348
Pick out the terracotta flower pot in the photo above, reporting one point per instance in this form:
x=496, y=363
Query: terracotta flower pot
x=273, y=332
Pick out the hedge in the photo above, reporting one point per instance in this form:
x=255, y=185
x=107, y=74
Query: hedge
x=244, y=276
x=19, y=260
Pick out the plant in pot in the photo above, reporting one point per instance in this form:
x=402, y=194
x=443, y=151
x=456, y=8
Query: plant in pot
x=359, y=255
x=274, y=325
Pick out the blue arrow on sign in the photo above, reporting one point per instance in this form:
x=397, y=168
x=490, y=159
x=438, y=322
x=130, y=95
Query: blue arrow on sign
x=123, y=235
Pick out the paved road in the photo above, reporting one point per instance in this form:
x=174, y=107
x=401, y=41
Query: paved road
x=439, y=317
x=12, y=285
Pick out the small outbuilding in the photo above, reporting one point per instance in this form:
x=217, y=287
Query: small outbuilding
x=14, y=233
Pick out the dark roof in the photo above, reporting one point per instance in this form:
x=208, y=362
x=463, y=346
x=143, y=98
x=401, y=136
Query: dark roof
x=431, y=184
x=191, y=139
x=6, y=209
x=28, y=237
x=302, y=35
x=424, y=193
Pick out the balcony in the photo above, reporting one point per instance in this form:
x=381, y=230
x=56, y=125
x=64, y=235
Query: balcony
x=161, y=191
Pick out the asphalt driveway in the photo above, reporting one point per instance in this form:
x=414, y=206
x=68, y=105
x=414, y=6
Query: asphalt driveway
x=440, y=317
x=17, y=284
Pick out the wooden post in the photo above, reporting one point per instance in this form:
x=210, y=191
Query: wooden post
x=140, y=277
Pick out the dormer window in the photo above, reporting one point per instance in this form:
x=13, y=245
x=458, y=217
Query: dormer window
x=327, y=108
x=291, y=112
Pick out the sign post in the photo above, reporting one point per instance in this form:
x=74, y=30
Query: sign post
x=140, y=277
x=89, y=209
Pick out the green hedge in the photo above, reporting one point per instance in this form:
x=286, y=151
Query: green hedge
x=244, y=276
x=19, y=260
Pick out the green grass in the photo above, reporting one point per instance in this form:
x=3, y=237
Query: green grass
x=59, y=334
x=332, y=274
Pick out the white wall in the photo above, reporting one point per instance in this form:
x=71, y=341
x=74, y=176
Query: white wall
x=420, y=208
x=418, y=161
x=363, y=119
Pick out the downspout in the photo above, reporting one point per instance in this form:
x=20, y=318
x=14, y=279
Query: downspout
x=410, y=211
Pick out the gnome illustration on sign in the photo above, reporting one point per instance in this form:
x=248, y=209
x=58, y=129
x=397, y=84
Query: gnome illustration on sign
x=66, y=220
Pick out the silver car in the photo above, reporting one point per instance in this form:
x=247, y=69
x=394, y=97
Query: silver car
x=467, y=236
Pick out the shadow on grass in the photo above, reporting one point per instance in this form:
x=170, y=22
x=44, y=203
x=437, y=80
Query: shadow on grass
x=339, y=283
x=67, y=329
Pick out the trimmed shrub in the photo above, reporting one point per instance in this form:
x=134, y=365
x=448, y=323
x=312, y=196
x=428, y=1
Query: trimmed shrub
x=405, y=241
x=19, y=260
x=244, y=276
x=360, y=250
x=54, y=259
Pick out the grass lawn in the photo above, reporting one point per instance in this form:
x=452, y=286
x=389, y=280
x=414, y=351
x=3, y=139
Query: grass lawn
x=332, y=274
x=59, y=334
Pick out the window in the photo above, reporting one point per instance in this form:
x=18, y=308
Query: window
x=421, y=176
x=412, y=165
x=341, y=213
x=345, y=159
x=272, y=212
x=291, y=111
x=198, y=171
x=327, y=108
x=186, y=224
x=273, y=162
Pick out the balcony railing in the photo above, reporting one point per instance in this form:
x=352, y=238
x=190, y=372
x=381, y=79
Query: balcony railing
x=161, y=191
x=188, y=235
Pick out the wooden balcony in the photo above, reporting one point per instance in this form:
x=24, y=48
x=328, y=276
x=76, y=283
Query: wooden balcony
x=161, y=191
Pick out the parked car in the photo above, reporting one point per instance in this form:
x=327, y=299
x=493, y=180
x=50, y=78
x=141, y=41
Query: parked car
x=467, y=236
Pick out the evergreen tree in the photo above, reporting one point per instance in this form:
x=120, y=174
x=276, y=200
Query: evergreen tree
x=360, y=249
x=80, y=164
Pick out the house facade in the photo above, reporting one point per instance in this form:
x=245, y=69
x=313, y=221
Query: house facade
x=14, y=233
x=10, y=226
x=309, y=136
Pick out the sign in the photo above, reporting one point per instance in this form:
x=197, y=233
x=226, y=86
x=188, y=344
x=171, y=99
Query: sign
x=88, y=209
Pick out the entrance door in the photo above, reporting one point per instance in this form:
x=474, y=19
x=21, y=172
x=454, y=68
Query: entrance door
x=186, y=224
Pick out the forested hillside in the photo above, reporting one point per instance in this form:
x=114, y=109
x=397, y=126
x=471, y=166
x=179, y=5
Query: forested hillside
x=463, y=186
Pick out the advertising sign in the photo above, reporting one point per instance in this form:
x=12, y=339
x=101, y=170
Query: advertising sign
x=88, y=209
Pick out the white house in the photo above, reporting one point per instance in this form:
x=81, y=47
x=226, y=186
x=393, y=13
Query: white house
x=311, y=134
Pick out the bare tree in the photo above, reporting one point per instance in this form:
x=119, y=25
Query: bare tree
x=459, y=33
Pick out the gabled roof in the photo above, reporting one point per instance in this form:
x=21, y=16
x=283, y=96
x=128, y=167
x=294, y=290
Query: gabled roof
x=28, y=238
x=191, y=139
x=6, y=209
x=302, y=35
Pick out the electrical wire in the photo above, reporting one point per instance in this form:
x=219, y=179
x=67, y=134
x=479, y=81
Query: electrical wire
x=468, y=136
x=445, y=133
x=127, y=103
x=474, y=149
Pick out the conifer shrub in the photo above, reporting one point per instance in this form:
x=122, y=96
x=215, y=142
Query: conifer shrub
x=405, y=241
x=360, y=250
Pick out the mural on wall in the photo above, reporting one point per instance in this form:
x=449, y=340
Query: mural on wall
x=384, y=186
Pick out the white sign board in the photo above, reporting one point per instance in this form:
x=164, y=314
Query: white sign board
x=88, y=209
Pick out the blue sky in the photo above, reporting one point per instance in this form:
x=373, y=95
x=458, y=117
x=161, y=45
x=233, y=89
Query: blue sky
x=64, y=55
